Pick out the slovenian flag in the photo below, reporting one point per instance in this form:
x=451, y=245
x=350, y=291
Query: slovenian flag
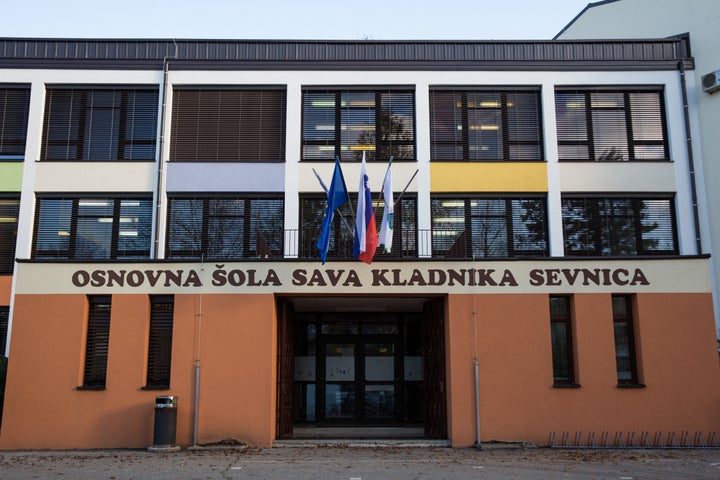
x=386, y=227
x=336, y=196
x=366, y=238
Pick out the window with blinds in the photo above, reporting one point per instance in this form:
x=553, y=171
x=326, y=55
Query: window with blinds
x=9, y=211
x=479, y=227
x=485, y=126
x=97, y=342
x=14, y=107
x=625, y=356
x=225, y=227
x=346, y=124
x=92, y=228
x=100, y=124
x=619, y=226
x=160, y=342
x=4, y=326
x=611, y=125
x=312, y=210
x=229, y=125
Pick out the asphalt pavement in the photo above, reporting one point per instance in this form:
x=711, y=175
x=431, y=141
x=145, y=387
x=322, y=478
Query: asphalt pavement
x=363, y=463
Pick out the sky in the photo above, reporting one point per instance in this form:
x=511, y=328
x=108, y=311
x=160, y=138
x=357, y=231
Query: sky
x=290, y=19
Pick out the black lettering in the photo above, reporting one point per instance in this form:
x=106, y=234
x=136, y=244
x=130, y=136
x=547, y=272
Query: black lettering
x=80, y=278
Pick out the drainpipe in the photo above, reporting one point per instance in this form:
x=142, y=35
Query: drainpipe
x=691, y=160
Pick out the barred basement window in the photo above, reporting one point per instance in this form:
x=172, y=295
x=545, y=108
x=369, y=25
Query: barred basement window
x=229, y=125
x=312, y=210
x=611, y=125
x=477, y=227
x=4, y=326
x=619, y=226
x=485, y=126
x=14, y=107
x=92, y=228
x=225, y=227
x=562, y=341
x=160, y=342
x=9, y=212
x=345, y=124
x=100, y=124
x=97, y=342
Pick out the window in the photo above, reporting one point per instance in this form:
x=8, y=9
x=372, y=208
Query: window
x=14, y=106
x=96, y=345
x=467, y=126
x=93, y=228
x=160, y=342
x=312, y=210
x=618, y=226
x=9, y=212
x=480, y=227
x=562, y=343
x=345, y=124
x=4, y=326
x=241, y=125
x=225, y=227
x=100, y=124
x=626, y=361
x=611, y=125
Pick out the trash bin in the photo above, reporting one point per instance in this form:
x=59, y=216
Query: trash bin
x=165, y=424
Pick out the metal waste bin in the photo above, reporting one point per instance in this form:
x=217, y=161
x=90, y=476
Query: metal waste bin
x=165, y=424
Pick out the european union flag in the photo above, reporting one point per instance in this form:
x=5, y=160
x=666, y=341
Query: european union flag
x=336, y=196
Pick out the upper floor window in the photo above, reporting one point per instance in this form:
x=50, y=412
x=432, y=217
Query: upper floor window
x=93, y=228
x=9, y=212
x=618, y=226
x=225, y=227
x=228, y=125
x=312, y=210
x=467, y=126
x=478, y=227
x=345, y=124
x=100, y=124
x=611, y=125
x=14, y=106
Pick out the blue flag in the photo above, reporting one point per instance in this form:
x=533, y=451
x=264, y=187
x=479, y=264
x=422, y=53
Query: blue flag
x=336, y=196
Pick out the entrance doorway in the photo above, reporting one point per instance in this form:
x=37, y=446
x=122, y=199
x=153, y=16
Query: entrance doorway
x=361, y=369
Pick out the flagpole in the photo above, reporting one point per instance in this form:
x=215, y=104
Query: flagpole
x=380, y=191
x=406, y=187
x=324, y=187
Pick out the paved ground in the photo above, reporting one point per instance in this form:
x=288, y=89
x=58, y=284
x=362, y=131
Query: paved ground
x=342, y=463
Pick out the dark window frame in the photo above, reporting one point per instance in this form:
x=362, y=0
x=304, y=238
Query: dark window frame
x=4, y=328
x=446, y=132
x=394, y=141
x=160, y=336
x=9, y=209
x=248, y=125
x=588, y=125
x=462, y=244
x=14, y=113
x=563, y=365
x=97, y=342
x=624, y=320
x=405, y=236
x=80, y=131
x=75, y=248
x=591, y=227
x=258, y=239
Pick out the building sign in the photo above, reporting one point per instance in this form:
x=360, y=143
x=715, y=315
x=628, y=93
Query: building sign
x=674, y=275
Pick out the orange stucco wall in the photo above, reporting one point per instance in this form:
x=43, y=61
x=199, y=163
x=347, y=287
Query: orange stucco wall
x=508, y=334
x=5, y=289
x=44, y=408
x=677, y=361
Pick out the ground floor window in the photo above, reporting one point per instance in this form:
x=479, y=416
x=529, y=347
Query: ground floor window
x=562, y=341
x=626, y=360
x=160, y=342
x=97, y=342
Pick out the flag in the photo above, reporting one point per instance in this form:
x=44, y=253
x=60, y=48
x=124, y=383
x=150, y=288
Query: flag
x=365, y=229
x=336, y=196
x=386, y=227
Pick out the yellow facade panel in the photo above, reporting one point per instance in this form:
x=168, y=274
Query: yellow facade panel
x=488, y=177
